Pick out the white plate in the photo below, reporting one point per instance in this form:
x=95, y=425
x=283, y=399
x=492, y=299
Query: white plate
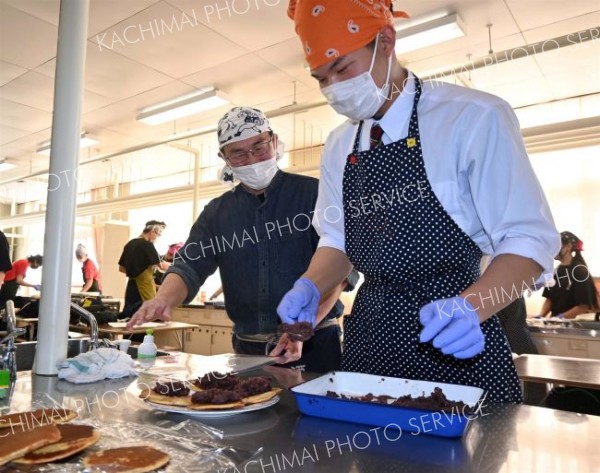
x=208, y=414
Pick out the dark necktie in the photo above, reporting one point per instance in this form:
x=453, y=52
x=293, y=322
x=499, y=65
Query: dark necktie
x=376, y=134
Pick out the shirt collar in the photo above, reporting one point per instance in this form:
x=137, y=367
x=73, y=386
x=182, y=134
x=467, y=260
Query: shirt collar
x=399, y=112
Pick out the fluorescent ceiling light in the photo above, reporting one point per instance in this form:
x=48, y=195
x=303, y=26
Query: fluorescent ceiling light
x=186, y=106
x=84, y=142
x=5, y=165
x=415, y=35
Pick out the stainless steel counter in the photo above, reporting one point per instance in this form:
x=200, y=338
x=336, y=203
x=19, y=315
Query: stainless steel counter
x=502, y=439
x=574, y=329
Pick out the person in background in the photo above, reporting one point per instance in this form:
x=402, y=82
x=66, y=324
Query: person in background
x=138, y=260
x=574, y=291
x=159, y=273
x=15, y=277
x=91, y=275
x=259, y=236
x=430, y=177
x=5, y=263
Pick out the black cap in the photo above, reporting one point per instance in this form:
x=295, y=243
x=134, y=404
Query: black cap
x=568, y=237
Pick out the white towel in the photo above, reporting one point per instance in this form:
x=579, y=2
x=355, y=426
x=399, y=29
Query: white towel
x=96, y=365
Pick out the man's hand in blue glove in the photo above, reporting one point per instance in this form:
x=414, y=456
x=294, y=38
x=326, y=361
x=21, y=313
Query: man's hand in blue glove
x=300, y=303
x=37, y=287
x=453, y=325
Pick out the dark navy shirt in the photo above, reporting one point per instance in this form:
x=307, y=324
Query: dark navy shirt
x=261, y=246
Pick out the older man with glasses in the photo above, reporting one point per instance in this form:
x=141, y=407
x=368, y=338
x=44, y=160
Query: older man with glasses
x=261, y=239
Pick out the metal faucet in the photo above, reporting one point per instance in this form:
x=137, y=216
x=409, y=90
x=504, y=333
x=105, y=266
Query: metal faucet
x=91, y=320
x=8, y=355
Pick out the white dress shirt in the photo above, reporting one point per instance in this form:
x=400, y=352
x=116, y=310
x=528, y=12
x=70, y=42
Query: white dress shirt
x=476, y=163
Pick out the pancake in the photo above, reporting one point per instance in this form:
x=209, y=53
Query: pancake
x=74, y=439
x=21, y=441
x=127, y=460
x=32, y=419
x=215, y=407
x=153, y=396
x=263, y=397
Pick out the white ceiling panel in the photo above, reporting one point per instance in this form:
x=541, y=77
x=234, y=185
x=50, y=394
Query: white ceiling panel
x=570, y=58
x=112, y=75
x=9, y=134
x=574, y=82
x=567, y=27
x=521, y=94
x=456, y=59
x=254, y=25
x=47, y=10
x=512, y=72
x=31, y=89
x=9, y=71
x=166, y=39
x=105, y=13
x=37, y=91
x=261, y=80
x=121, y=116
x=23, y=117
x=17, y=43
x=475, y=15
x=531, y=14
x=288, y=57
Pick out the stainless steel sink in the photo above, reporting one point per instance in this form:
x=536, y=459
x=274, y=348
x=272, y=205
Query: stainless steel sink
x=586, y=324
x=26, y=352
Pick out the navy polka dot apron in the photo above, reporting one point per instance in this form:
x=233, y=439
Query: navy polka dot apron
x=411, y=252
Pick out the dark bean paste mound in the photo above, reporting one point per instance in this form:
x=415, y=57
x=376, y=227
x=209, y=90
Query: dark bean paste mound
x=215, y=380
x=437, y=401
x=298, y=332
x=215, y=396
x=252, y=386
x=172, y=388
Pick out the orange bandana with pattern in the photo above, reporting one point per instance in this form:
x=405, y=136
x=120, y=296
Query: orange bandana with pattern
x=332, y=28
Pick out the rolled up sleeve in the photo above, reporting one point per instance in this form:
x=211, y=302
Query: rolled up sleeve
x=328, y=219
x=508, y=198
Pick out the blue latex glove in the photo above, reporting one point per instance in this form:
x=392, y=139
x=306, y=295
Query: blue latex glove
x=37, y=287
x=560, y=316
x=453, y=325
x=300, y=303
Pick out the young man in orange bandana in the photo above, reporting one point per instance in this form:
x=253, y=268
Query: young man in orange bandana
x=430, y=178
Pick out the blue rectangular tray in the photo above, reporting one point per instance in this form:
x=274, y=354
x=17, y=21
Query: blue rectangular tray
x=312, y=400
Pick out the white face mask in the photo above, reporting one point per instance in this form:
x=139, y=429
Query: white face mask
x=257, y=176
x=359, y=98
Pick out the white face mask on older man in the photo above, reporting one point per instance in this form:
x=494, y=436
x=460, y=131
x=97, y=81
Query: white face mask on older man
x=257, y=176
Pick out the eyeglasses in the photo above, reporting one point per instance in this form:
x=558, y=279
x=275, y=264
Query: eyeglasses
x=259, y=150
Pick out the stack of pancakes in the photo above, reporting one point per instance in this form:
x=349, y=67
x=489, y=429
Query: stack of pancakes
x=43, y=436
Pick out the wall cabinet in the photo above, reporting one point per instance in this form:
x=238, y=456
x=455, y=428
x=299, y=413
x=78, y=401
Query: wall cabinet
x=212, y=337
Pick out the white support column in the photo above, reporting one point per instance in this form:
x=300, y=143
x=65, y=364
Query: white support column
x=62, y=187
